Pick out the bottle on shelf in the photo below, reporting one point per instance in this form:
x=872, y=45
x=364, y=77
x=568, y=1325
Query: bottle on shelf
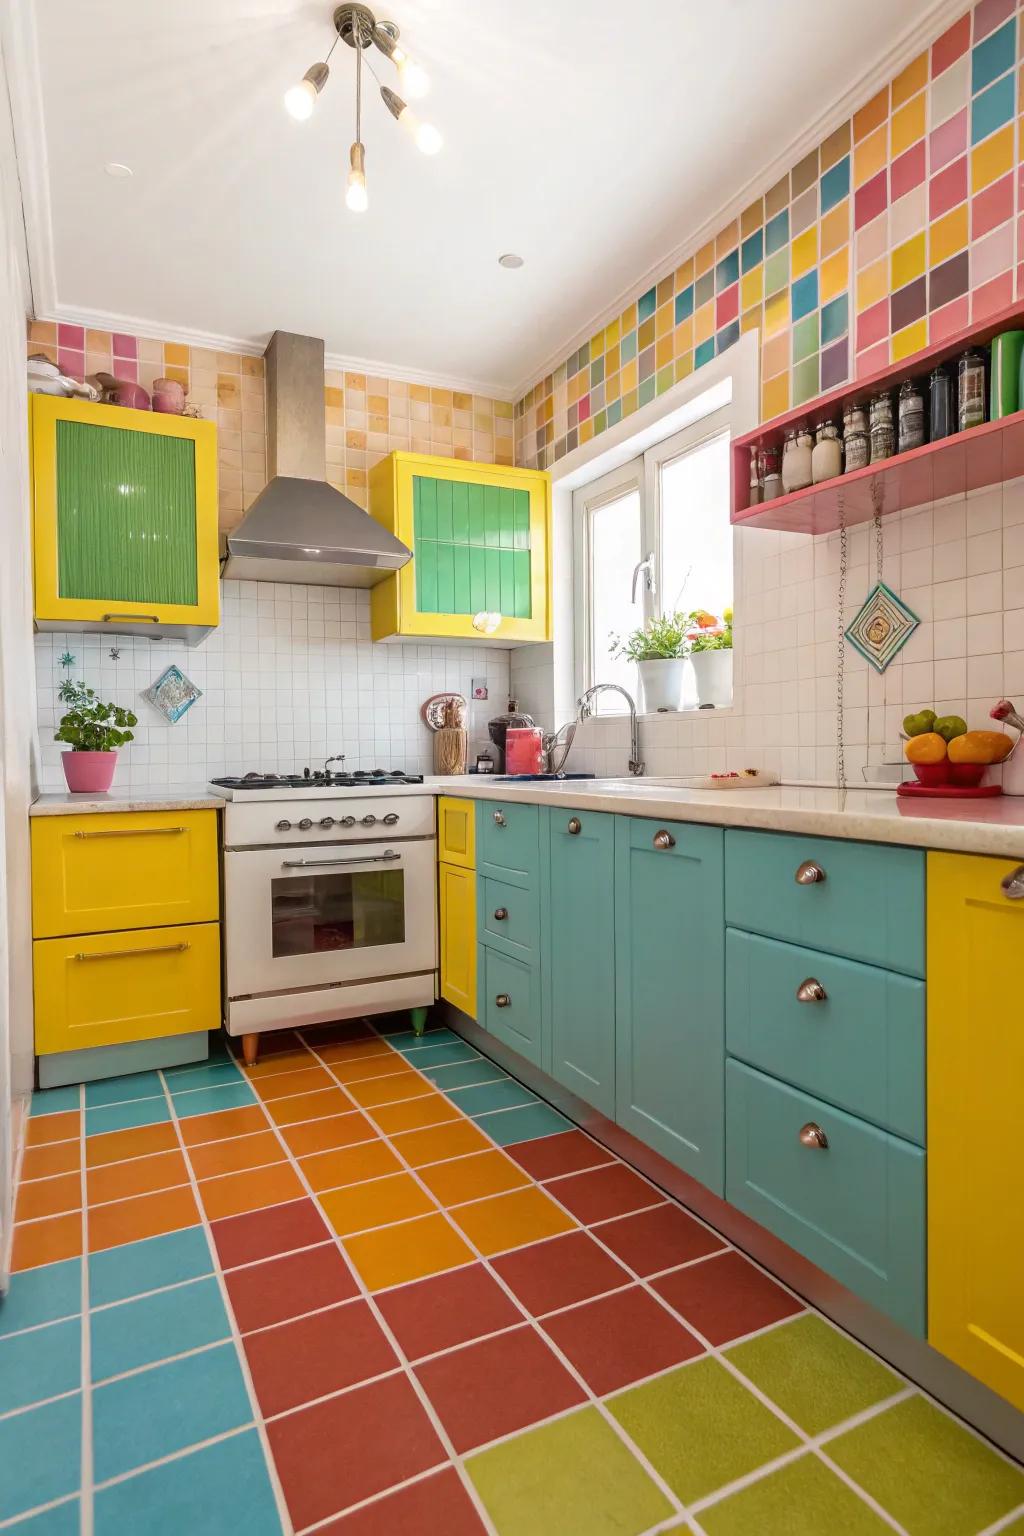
x=940, y=405
x=911, y=416
x=856, y=443
x=796, y=460
x=771, y=482
x=883, y=433
x=970, y=372
x=827, y=454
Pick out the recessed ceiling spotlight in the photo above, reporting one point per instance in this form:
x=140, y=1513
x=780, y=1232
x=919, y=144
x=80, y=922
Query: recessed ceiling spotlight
x=116, y=169
x=510, y=259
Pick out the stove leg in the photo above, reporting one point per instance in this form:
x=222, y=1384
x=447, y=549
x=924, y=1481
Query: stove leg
x=250, y=1049
x=419, y=1020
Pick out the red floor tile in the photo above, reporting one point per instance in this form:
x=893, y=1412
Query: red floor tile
x=264, y=1234
x=611, y=1191
x=548, y=1156
x=559, y=1272
x=620, y=1339
x=497, y=1386
x=438, y=1504
x=659, y=1239
x=281, y=1288
x=447, y=1309
x=725, y=1297
x=313, y=1356
x=332, y=1455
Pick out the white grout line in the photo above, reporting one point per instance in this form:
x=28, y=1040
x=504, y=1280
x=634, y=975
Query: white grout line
x=13, y=1521
x=1003, y=1522
x=375, y=1498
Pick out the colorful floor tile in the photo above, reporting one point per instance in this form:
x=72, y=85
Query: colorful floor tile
x=375, y=1287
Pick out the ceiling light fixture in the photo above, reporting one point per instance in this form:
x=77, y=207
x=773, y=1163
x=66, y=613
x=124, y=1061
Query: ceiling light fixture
x=357, y=26
x=510, y=259
x=118, y=170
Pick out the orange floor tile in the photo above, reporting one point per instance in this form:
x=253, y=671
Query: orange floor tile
x=283, y=1084
x=472, y=1177
x=115, y=1146
x=49, y=1128
x=332, y=1131
x=222, y=1123
x=431, y=1109
x=409, y=1250
x=140, y=1176
x=276, y=1062
x=48, y=1197
x=440, y=1141
x=234, y=1154
x=509, y=1221
x=390, y=1089
x=126, y=1221
x=348, y=1165
x=375, y=1203
x=355, y=1050
x=308, y=1106
x=369, y=1067
x=250, y=1190
x=44, y=1242
x=57, y=1157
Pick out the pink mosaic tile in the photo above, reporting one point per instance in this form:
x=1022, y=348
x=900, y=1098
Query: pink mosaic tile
x=870, y=199
x=949, y=320
x=952, y=45
x=908, y=171
x=873, y=324
x=992, y=207
x=948, y=188
x=989, y=14
x=948, y=141
x=989, y=298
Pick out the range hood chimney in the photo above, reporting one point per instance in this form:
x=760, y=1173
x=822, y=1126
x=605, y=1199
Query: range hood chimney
x=299, y=528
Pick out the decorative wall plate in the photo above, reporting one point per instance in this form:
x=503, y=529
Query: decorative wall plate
x=173, y=694
x=882, y=627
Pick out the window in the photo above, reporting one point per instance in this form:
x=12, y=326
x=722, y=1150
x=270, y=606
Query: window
x=652, y=538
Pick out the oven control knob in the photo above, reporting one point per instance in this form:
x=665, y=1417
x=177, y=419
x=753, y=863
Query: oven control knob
x=391, y=819
x=369, y=821
x=327, y=821
x=347, y=821
x=282, y=826
x=305, y=824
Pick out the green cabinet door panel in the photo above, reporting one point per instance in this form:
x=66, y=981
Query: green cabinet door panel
x=471, y=544
x=126, y=515
x=508, y=843
x=670, y=993
x=861, y=1046
x=855, y=1207
x=869, y=906
x=509, y=917
x=579, y=954
x=509, y=1002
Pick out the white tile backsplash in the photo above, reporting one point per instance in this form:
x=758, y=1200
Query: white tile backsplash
x=289, y=678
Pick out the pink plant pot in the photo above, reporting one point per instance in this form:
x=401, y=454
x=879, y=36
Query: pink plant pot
x=89, y=772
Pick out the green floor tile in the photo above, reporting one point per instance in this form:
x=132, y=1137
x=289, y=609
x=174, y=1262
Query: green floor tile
x=816, y=1375
x=802, y=1498
x=927, y=1471
x=574, y=1477
x=700, y=1428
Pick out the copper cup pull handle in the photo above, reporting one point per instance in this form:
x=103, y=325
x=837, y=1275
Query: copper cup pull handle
x=574, y=825
x=503, y=1000
x=809, y=873
x=811, y=991
x=664, y=839
x=500, y=914
x=1012, y=885
x=813, y=1136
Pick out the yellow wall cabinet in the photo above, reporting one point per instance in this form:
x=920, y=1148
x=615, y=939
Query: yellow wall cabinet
x=480, y=536
x=456, y=883
x=124, y=519
x=975, y=1099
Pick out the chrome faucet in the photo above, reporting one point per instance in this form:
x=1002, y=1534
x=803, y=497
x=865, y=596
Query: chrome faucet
x=340, y=758
x=584, y=707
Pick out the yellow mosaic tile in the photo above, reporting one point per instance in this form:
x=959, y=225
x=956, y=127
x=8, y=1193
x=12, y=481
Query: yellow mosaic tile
x=835, y=228
x=910, y=80
x=804, y=251
x=907, y=125
x=872, y=284
x=684, y=276
x=992, y=158
x=752, y=287
x=948, y=235
x=684, y=336
x=704, y=322
x=914, y=338
x=870, y=155
x=908, y=261
x=775, y=397
x=705, y=258
x=751, y=320
x=871, y=115
x=776, y=312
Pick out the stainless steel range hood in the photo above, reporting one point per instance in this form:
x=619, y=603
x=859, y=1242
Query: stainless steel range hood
x=299, y=528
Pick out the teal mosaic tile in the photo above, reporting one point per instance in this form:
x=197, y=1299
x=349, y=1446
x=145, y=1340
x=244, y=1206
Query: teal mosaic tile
x=835, y=184
x=153, y=1328
x=223, y=1487
x=41, y=1296
x=994, y=107
x=835, y=319
x=752, y=251
x=125, y=1117
x=118, y=1273
x=119, y=1090
x=43, y=1363
x=28, y=1479
x=704, y=353
x=993, y=56
x=54, y=1101
x=646, y=304
x=804, y=295
x=684, y=305
x=508, y=1126
x=727, y=271
x=776, y=233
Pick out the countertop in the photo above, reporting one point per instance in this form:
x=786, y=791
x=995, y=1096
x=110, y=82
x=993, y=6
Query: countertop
x=67, y=804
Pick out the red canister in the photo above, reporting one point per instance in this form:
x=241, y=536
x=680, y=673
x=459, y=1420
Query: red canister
x=524, y=749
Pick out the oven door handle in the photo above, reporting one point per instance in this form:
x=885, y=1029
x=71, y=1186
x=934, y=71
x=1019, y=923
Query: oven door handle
x=369, y=858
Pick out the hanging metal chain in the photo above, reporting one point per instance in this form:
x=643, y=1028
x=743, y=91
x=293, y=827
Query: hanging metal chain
x=876, y=501
x=841, y=645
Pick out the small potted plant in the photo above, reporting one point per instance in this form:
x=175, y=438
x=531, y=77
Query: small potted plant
x=659, y=649
x=710, y=643
x=94, y=731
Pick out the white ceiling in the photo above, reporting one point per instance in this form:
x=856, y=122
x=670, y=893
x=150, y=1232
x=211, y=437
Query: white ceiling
x=591, y=137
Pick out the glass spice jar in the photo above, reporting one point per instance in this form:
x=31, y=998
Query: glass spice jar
x=882, y=431
x=856, y=443
x=970, y=370
x=796, y=460
x=940, y=405
x=754, y=495
x=771, y=476
x=827, y=456
x=911, y=416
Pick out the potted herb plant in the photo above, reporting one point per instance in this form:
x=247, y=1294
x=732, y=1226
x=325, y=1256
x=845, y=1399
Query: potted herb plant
x=710, y=643
x=659, y=649
x=94, y=731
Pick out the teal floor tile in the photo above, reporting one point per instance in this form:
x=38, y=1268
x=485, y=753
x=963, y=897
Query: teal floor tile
x=408, y=1041
x=65, y=1520
x=167, y=1408
x=50, y=1101
x=507, y=1126
x=42, y=1296
x=464, y=1073
x=224, y=1487
x=440, y=1055
x=124, y=1117
x=119, y=1273
x=40, y=1455
x=118, y=1090
x=40, y=1364
x=484, y=1097
x=204, y=1101
x=202, y=1074
x=153, y=1328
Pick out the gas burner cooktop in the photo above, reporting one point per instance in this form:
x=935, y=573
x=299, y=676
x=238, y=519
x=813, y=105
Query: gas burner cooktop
x=321, y=779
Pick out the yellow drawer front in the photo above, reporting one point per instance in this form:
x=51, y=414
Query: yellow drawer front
x=107, y=989
x=456, y=820
x=98, y=874
x=458, y=936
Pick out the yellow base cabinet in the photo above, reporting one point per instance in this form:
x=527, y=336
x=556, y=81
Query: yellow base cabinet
x=458, y=936
x=456, y=831
x=975, y=1116
x=480, y=536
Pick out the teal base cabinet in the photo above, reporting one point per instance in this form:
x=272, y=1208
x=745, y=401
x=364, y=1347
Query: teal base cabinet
x=670, y=993
x=579, y=955
x=509, y=1001
x=853, y=1204
x=511, y=845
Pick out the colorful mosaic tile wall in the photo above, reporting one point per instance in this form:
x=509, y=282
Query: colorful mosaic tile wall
x=899, y=229
x=366, y=417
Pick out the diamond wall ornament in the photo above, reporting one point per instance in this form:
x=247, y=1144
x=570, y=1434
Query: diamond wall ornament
x=882, y=627
x=173, y=694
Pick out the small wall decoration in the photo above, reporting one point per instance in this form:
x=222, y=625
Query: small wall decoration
x=882, y=627
x=173, y=694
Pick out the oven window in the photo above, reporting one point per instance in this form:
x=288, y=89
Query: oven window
x=314, y=913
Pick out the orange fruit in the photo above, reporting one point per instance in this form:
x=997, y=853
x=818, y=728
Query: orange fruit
x=926, y=748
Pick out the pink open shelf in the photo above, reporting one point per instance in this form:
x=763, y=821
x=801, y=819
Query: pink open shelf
x=967, y=461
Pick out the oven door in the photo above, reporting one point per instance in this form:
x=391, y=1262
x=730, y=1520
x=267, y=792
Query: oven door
x=315, y=915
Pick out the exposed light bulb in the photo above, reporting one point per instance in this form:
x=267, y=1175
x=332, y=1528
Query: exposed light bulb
x=427, y=139
x=414, y=78
x=300, y=99
x=356, y=199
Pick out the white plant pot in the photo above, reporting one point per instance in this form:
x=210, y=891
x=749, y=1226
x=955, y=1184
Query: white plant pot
x=712, y=671
x=662, y=683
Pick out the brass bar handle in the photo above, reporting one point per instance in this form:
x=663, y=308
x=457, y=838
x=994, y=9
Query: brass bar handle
x=368, y=858
x=500, y=914
x=146, y=618
x=127, y=954
x=664, y=839
x=809, y=873
x=135, y=832
x=503, y=1000
x=1012, y=885
x=574, y=826
x=499, y=819
x=812, y=1136
x=811, y=991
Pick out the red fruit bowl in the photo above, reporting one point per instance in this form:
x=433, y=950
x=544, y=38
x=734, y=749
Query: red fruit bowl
x=968, y=774
x=933, y=774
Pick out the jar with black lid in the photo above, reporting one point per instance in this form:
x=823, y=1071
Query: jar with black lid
x=940, y=405
x=911, y=416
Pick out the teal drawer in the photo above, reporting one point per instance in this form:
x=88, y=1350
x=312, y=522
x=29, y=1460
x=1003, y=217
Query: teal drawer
x=508, y=1001
x=509, y=915
x=861, y=1046
x=856, y=1208
x=508, y=841
x=869, y=906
